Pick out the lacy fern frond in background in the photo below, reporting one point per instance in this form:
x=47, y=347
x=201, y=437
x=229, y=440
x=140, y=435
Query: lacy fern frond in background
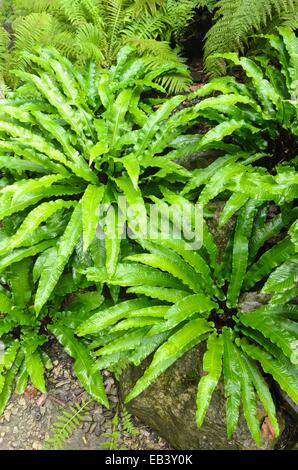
x=66, y=424
x=237, y=20
x=91, y=29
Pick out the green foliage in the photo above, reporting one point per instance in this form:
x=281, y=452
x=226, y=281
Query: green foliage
x=65, y=425
x=238, y=344
x=88, y=29
x=121, y=425
x=23, y=334
x=93, y=138
x=235, y=22
x=71, y=159
x=74, y=140
x=22, y=359
x=259, y=115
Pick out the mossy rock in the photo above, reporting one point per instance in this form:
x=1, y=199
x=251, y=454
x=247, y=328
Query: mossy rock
x=168, y=406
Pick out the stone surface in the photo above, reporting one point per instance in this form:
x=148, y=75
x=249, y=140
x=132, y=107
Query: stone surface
x=250, y=301
x=199, y=159
x=27, y=421
x=168, y=406
x=288, y=404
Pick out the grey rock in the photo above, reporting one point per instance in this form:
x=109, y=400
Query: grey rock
x=250, y=301
x=198, y=159
x=168, y=406
x=288, y=404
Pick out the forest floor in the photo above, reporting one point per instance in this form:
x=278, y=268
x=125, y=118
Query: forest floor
x=27, y=421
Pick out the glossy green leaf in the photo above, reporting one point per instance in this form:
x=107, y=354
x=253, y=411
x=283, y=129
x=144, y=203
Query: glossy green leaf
x=92, y=382
x=232, y=384
x=105, y=318
x=66, y=244
x=212, y=365
x=285, y=373
x=90, y=212
x=184, y=339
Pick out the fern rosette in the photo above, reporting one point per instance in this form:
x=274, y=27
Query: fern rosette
x=71, y=143
x=184, y=297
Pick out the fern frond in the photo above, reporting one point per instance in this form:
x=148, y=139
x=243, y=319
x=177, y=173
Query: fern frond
x=237, y=20
x=4, y=60
x=90, y=42
x=42, y=29
x=126, y=422
x=146, y=27
x=89, y=29
x=115, y=23
x=65, y=425
x=179, y=13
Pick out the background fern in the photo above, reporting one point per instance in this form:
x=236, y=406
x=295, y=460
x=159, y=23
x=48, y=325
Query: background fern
x=237, y=20
x=65, y=425
x=92, y=29
x=121, y=424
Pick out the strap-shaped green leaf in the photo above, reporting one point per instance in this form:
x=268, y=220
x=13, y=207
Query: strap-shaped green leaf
x=6, y=303
x=19, y=278
x=183, y=310
x=132, y=167
x=169, y=261
x=18, y=196
x=91, y=200
x=110, y=316
x=132, y=274
x=290, y=41
x=22, y=379
x=272, y=258
x=212, y=365
x=248, y=396
x=22, y=253
x=240, y=250
x=66, y=244
x=9, y=379
x=126, y=342
x=284, y=277
x=117, y=112
x=180, y=342
x=203, y=175
x=8, y=357
x=161, y=293
x=136, y=322
x=263, y=391
x=153, y=122
x=280, y=330
x=14, y=163
x=285, y=373
x=294, y=234
x=148, y=345
x=32, y=221
x=35, y=369
x=83, y=362
x=157, y=311
x=232, y=385
x=265, y=232
x=191, y=257
x=32, y=140
x=233, y=205
x=114, y=226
